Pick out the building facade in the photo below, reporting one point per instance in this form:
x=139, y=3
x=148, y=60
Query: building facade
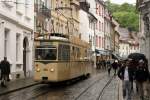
x=65, y=17
x=84, y=18
x=114, y=38
x=99, y=28
x=144, y=8
x=16, y=27
x=87, y=26
x=42, y=20
x=128, y=42
x=100, y=31
x=124, y=48
x=108, y=25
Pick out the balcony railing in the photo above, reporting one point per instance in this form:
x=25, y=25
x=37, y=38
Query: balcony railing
x=42, y=9
x=84, y=5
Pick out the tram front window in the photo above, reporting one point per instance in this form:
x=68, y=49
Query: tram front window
x=46, y=54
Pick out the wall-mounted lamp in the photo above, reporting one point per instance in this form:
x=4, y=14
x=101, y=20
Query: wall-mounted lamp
x=1, y=22
x=38, y=28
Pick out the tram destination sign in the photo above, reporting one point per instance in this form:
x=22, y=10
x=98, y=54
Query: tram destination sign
x=46, y=43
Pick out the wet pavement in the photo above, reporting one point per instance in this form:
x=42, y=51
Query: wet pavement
x=112, y=91
x=17, y=85
x=135, y=95
x=88, y=89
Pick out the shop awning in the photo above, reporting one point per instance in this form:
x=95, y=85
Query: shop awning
x=100, y=52
x=114, y=56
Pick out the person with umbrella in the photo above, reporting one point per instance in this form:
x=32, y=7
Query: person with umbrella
x=137, y=56
x=141, y=76
x=126, y=74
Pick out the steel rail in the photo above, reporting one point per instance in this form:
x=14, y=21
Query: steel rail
x=92, y=86
x=102, y=91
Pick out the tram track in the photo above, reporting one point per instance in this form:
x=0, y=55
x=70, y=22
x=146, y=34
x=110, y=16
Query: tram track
x=44, y=91
x=92, y=85
x=103, y=90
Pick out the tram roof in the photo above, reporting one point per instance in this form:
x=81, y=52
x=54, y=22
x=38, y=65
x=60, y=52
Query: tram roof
x=73, y=40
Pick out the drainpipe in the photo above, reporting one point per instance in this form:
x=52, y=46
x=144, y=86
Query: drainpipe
x=104, y=30
x=94, y=45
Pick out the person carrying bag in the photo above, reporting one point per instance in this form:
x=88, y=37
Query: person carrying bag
x=5, y=71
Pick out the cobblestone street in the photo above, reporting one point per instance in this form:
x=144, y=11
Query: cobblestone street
x=99, y=86
x=74, y=49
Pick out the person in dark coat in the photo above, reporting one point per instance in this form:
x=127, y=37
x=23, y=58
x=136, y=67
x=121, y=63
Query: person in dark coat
x=115, y=66
x=141, y=76
x=109, y=67
x=0, y=72
x=126, y=74
x=5, y=71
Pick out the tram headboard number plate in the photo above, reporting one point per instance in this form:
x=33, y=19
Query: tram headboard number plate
x=45, y=69
x=44, y=78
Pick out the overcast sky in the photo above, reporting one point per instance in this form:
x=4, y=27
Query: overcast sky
x=123, y=1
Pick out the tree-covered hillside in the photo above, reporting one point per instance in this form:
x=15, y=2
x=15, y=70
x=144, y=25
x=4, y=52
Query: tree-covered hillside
x=125, y=14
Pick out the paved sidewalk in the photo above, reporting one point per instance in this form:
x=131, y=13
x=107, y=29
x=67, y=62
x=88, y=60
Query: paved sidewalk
x=17, y=85
x=135, y=95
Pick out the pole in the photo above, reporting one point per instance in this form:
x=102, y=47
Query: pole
x=2, y=52
x=94, y=46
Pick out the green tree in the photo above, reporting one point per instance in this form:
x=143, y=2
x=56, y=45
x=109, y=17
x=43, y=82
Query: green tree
x=126, y=14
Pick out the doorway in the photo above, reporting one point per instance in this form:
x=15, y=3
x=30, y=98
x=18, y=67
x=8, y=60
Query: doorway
x=25, y=47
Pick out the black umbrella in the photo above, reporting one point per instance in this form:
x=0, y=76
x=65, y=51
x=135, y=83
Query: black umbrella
x=137, y=56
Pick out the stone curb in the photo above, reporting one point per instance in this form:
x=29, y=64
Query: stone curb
x=120, y=90
x=17, y=89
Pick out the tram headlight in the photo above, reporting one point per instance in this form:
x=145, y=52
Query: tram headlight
x=38, y=69
x=52, y=70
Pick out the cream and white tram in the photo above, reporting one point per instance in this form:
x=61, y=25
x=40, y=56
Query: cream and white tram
x=59, y=60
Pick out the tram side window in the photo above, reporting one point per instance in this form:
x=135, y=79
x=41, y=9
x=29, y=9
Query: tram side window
x=85, y=56
x=78, y=53
x=73, y=55
x=64, y=52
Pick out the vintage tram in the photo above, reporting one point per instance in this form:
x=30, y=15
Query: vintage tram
x=59, y=59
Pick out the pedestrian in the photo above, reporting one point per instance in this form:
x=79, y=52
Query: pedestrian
x=115, y=66
x=0, y=72
x=109, y=67
x=133, y=66
x=126, y=75
x=5, y=71
x=141, y=76
x=104, y=63
x=97, y=64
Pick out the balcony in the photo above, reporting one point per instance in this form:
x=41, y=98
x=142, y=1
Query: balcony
x=74, y=2
x=84, y=5
x=43, y=10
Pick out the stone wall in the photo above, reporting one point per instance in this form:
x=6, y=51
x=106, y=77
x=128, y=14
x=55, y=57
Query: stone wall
x=145, y=30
